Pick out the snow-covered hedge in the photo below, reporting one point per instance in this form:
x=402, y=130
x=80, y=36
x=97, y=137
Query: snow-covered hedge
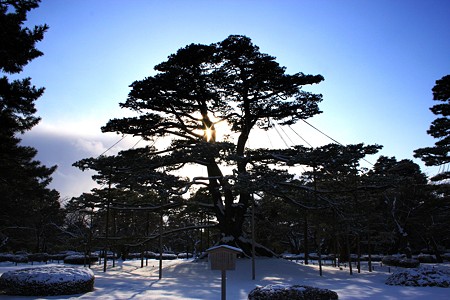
x=426, y=258
x=149, y=254
x=423, y=276
x=16, y=258
x=292, y=292
x=38, y=257
x=185, y=255
x=47, y=281
x=446, y=256
x=399, y=261
x=168, y=256
x=78, y=259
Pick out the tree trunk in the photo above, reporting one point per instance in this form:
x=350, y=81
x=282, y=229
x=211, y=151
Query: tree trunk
x=369, y=249
x=347, y=238
x=305, y=240
x=436, y=250
x=359, y=253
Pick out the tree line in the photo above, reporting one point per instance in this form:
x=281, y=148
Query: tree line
x=147, y=198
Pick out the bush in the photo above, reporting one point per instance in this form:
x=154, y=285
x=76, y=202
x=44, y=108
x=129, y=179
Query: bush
x=134, y=255
x=47, y=281
x=58, y=256
x=290, y=256
x=38, y=257
x=79, y=259
x=426, y=258
x=165, y=256
x=168, y=256
x=150, y=254
x=424, y=276
x=373, y=257
x=399, y=261
x=185, y=255
x=294, y=292
x=6, y=257
x=446, y=256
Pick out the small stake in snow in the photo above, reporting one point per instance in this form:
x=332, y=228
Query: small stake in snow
x=223, y=258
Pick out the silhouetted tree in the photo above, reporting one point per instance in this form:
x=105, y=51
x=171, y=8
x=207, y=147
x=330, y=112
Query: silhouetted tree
x=230, y=82
x=439, y=154
x=23, y=180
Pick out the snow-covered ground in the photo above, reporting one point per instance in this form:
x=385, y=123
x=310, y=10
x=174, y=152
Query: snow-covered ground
x=186, y=279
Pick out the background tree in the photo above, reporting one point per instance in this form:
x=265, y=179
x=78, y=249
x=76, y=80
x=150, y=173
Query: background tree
x=23, y=180
x=230, y=82
x=439, y=154
x=405, y=193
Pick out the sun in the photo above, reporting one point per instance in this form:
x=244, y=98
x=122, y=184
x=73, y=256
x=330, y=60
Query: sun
x=210, y=134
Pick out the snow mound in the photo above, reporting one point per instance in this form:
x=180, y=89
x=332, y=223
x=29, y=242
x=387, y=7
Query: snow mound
x=424, y=276
x=46, y=281
x=293, y=292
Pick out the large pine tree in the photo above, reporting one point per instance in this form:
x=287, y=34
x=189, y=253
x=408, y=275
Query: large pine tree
x=24, y=195
x=230, y=82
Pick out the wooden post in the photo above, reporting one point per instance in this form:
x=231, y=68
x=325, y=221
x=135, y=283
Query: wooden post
x=224, y=284
x=253, y=237
x=105, y=259
x=160, y=245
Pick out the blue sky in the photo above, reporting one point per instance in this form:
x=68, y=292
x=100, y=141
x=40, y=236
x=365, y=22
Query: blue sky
x=380, y=60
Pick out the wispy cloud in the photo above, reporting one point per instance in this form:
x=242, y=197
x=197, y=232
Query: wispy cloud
x=64, y=145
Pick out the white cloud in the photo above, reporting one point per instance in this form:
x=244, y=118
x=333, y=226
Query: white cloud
x=63, y=146
x=94, y=148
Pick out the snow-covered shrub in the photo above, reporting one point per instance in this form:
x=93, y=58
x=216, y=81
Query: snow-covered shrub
x=133, y=255
x=313, y=256
x=373, y=257
x=150, y=254
x=38, y=257
x=78, y=259
x=290, y=256
x=6, y=257
x=109, y=254
x=423, y=276
x=58, y=256
x=16, y=258
x=185, y=255
x=47, y=281
x=399, y=261
x=292, y=292
x=446, y=256
x=168, y=256
x=426, y=258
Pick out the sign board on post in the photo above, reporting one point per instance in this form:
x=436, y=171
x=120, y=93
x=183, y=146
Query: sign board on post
x=223, y=257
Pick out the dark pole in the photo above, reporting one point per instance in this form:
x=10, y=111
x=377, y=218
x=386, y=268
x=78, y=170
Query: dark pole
x=224, y=284
x=253, y=237
x=160, y=244
x=105, y=258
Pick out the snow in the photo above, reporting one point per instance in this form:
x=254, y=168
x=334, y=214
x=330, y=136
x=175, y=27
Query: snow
x=187, y=279
x=239, y=250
